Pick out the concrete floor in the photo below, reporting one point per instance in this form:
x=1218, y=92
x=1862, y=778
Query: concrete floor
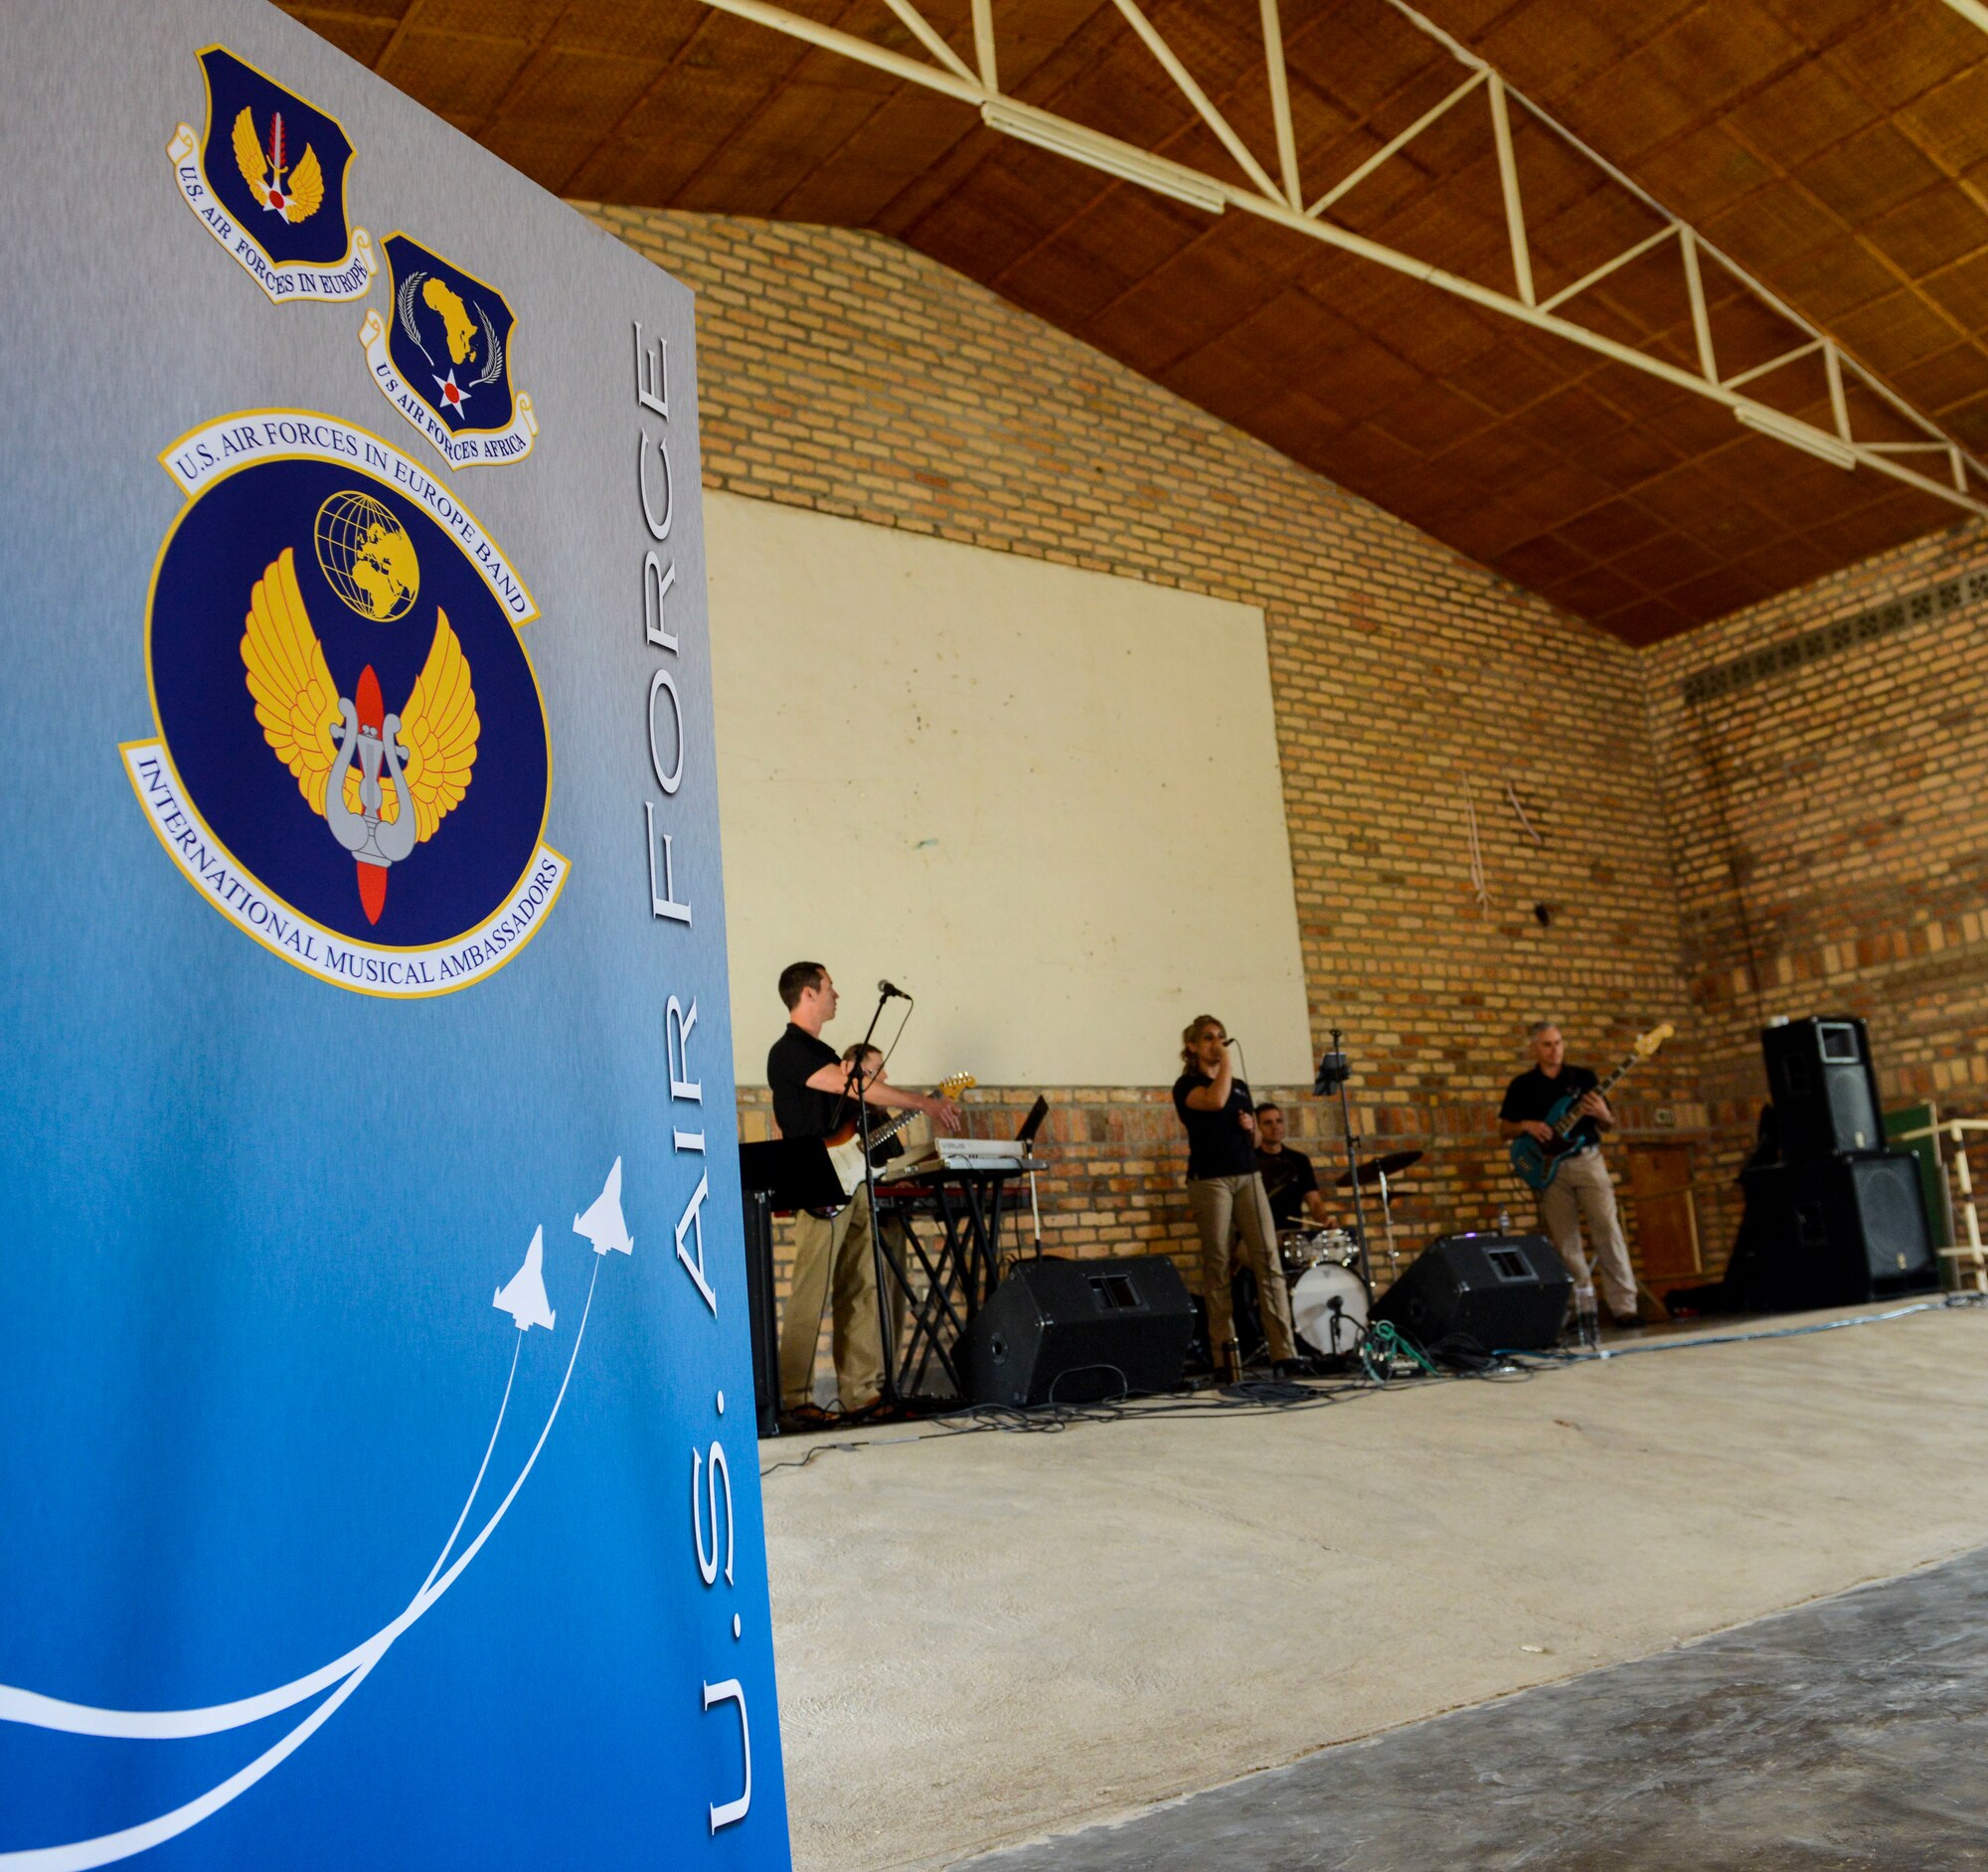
x=1852, y=1732
x=987, y=1639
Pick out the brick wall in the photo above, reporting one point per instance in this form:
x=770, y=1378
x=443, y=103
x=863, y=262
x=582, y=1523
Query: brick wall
x=1830, y=828
x=842, y=372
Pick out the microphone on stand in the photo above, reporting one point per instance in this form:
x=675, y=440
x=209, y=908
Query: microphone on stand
x=891, y=991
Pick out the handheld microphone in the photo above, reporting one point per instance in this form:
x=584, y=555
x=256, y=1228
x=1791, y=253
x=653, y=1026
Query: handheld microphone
x=891, y=991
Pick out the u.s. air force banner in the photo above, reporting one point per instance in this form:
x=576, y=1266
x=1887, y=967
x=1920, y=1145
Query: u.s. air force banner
x=377, y=1462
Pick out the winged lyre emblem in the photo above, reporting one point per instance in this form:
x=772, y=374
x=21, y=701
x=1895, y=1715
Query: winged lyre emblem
x=266, y=169
x=381, y=781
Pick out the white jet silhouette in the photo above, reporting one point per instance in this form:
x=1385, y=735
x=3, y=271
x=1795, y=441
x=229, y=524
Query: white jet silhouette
x=523, y=1296
x=603, y=1225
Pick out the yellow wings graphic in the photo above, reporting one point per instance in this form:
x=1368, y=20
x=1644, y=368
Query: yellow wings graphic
x=297, y=703
x=439, y=728
x=306, y=194
x=296, y=699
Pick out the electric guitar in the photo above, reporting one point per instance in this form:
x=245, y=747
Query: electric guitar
x=844, y=1146
x=1537, y=1164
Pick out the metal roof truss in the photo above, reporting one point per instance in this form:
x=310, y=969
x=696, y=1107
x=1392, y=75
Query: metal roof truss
x=976, y=82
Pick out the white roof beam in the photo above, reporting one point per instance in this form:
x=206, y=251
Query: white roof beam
x=1272, y=203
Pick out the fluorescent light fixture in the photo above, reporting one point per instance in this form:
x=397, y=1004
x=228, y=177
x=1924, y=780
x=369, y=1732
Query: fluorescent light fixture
x=1103, y=152
x=1798, y=435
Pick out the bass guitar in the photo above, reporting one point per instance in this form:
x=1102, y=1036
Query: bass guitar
x=1537, y=1164
x=844, y=1146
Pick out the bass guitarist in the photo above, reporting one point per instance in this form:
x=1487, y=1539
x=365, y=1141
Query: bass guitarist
x=833, y=1256
x=1581, y=1189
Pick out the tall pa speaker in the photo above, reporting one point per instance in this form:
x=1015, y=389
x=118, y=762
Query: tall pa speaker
x=1860, y=1228
x=1501, y=1293
x=1074, y=1331
x=1824, y=1089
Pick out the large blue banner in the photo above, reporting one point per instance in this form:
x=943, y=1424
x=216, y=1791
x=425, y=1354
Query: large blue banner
x=376, y=1460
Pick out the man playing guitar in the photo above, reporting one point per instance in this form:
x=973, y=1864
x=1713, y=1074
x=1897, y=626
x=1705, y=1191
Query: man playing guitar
x=832, y=1255
x=1579, y=1187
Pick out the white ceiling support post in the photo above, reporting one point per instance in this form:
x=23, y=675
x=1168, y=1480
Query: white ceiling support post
x=1508, y=178
x=829, y=39
x=983, y=43
x=924, y=32
x=1972, y=11
x=1606, y=267
x=1774, y=364
x=1063, y=138
x=1832, y=364
x=1281, y=103
x=1923, y=425
x=1396, y=144
x=1195, y=96
x=1958, y=466
x=1700, y=320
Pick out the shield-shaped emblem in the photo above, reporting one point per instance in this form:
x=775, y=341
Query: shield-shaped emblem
x=268, y=181
x=443, y=356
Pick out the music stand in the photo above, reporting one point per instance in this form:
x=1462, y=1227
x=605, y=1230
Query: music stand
x=783, y=1173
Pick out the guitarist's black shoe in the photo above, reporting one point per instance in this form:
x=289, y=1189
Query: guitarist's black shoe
x=808, y=1417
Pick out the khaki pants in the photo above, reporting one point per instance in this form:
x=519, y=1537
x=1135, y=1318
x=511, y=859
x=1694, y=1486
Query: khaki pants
x=1226, y=1207
x=1580, y=1191
x=832, y=1263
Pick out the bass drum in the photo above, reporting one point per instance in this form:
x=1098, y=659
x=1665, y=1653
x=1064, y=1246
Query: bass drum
x=1329, y=1309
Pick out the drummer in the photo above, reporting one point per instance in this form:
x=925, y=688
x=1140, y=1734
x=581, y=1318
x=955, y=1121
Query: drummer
x=1288, y=1178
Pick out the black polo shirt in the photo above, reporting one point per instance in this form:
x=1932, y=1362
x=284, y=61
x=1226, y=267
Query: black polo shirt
x=799, y=1108
x=1216, y=1143
x=1288, y=1178
x=1533, y=1095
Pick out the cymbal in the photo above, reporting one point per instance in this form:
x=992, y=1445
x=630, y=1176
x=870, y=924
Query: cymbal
x=1375, y=1168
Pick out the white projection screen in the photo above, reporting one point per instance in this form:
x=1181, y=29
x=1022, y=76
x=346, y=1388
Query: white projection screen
x=1045, y=801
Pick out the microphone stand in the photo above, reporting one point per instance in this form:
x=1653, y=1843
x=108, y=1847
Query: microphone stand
x=1332, y=1071
x=883, y=1266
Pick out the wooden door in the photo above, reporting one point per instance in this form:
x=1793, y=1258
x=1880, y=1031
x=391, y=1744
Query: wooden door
x=1657, y=1194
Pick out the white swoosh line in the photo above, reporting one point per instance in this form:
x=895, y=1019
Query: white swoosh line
x=79, y=1855
x=84, y=1719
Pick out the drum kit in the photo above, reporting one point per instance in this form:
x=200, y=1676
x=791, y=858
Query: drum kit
x=1330, y=1294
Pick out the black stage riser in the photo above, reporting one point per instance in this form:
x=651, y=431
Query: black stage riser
x=1498, y=1293
x=1825, y=1091
x=1074, y=1331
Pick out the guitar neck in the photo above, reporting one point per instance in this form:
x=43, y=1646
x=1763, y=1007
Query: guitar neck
x=878, y=1132
x=1602, y=1090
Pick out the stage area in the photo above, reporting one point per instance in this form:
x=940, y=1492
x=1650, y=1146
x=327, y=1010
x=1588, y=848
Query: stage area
x=1846, y=1733
x=990, y=1637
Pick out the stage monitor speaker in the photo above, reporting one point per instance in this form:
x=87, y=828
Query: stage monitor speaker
x=1074, y=1331
x=1500, y=1293
x=1860, y=1228
x=1825, y=1091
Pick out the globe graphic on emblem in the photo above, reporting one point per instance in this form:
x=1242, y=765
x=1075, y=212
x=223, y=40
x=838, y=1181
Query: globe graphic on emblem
x=367, y=556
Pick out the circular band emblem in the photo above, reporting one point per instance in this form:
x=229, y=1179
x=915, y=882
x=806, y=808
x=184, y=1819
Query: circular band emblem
x=353, y=760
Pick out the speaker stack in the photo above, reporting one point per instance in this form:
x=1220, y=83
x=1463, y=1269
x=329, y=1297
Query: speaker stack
x=1840, y=1219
